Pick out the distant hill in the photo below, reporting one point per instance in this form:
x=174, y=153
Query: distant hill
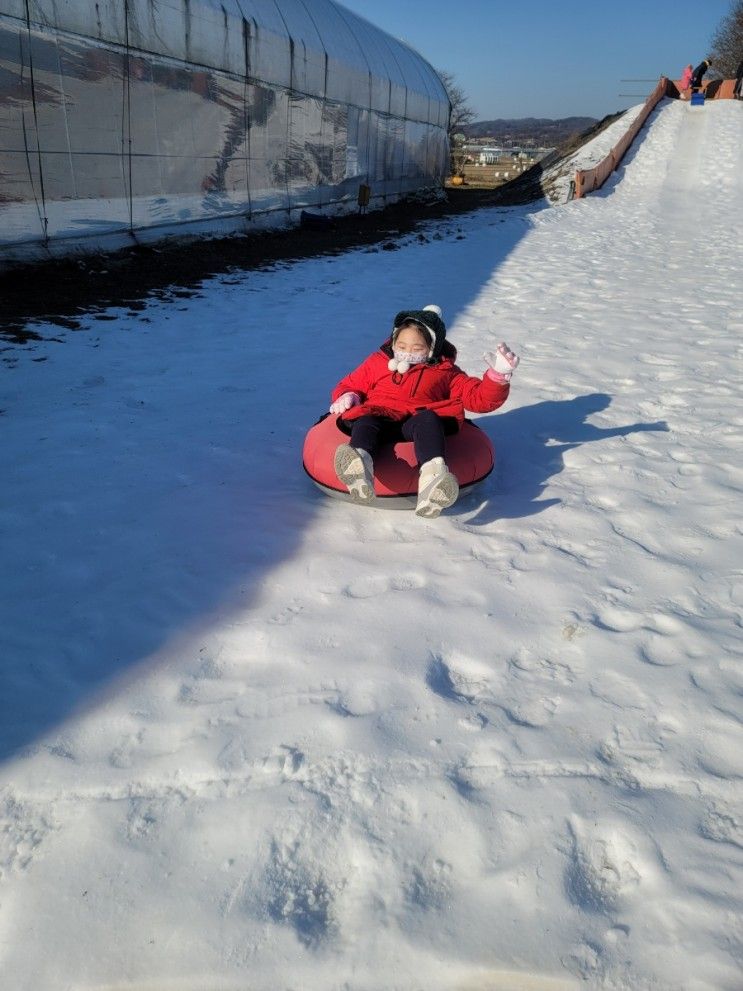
x=542, y=131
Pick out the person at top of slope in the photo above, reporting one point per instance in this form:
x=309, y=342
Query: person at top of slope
x=698, y=74
x=411, y=389
x=685, y=81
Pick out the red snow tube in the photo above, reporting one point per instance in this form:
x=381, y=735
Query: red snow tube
x=469, y=455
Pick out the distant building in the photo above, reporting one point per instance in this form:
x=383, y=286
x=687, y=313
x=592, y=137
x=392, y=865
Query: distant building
x=493, y=154
x=489, y=156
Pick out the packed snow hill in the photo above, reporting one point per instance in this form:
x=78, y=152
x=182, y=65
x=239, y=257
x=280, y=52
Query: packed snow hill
x=256, y=738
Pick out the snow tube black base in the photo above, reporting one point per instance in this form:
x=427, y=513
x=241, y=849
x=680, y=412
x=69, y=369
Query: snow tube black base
x=469, y=455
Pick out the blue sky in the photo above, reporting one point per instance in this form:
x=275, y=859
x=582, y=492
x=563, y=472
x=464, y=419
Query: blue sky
x=537, y=58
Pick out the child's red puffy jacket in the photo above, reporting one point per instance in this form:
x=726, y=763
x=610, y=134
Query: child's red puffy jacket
x=442, y=387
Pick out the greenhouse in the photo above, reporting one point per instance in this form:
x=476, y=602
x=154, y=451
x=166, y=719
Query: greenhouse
x=133, y=120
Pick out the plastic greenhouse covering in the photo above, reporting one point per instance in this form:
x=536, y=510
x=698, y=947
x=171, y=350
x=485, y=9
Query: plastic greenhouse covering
x=137, y=119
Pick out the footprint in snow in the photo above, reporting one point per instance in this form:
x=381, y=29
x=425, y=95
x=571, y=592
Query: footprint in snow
x=146, y=815
x=370, y=586
x=210, y=691
x=668, y=640
x=617, y=620
x=288, y=614
x=723, y=824
x=270, y=703
x=605, y=869
x=632, y=748
x=527, y=665
x=463, y=679
x=23, y=830
x=429, y=885
x=531, y=712
x=357, y=700
x=661, y=652
x=301, y=894
x=718, y=754
x=616, y=690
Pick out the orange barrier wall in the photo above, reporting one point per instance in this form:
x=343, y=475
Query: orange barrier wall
x=720, y=89
x=586, y=180
x=715, y=89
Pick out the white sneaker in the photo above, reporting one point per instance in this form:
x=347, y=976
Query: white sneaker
x=437, y=489
x=355, y=469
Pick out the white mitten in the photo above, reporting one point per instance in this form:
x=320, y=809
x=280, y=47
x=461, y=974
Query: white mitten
x=503, y=363
x=344, y=402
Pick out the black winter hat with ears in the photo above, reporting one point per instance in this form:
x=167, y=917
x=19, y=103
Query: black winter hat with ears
x=430, y=321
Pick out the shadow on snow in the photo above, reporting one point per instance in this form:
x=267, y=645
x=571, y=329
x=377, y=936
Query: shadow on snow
x=530, y=444
x=157, y=496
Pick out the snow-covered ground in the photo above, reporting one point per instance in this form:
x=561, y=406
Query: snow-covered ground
x=254, y=738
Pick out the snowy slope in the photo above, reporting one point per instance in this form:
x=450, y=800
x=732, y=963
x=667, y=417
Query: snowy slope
x=557, y=178
x=256, y=738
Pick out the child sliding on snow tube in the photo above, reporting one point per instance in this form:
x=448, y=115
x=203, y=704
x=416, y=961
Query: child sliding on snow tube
x=411, y=389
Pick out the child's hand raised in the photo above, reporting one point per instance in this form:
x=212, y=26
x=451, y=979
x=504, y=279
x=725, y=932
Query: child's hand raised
x=503, y=363
x=344, y=402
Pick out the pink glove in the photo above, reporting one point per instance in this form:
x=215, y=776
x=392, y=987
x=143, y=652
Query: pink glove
x=344, y=402
x=503, y=363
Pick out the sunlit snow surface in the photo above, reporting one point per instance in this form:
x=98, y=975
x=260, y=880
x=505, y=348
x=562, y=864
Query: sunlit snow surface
x=255, y=738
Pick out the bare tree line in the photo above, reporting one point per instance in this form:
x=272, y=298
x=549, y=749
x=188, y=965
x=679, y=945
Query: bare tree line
x=727, y=41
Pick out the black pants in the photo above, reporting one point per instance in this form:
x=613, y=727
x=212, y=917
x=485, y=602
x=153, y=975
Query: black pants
x=425, y=429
